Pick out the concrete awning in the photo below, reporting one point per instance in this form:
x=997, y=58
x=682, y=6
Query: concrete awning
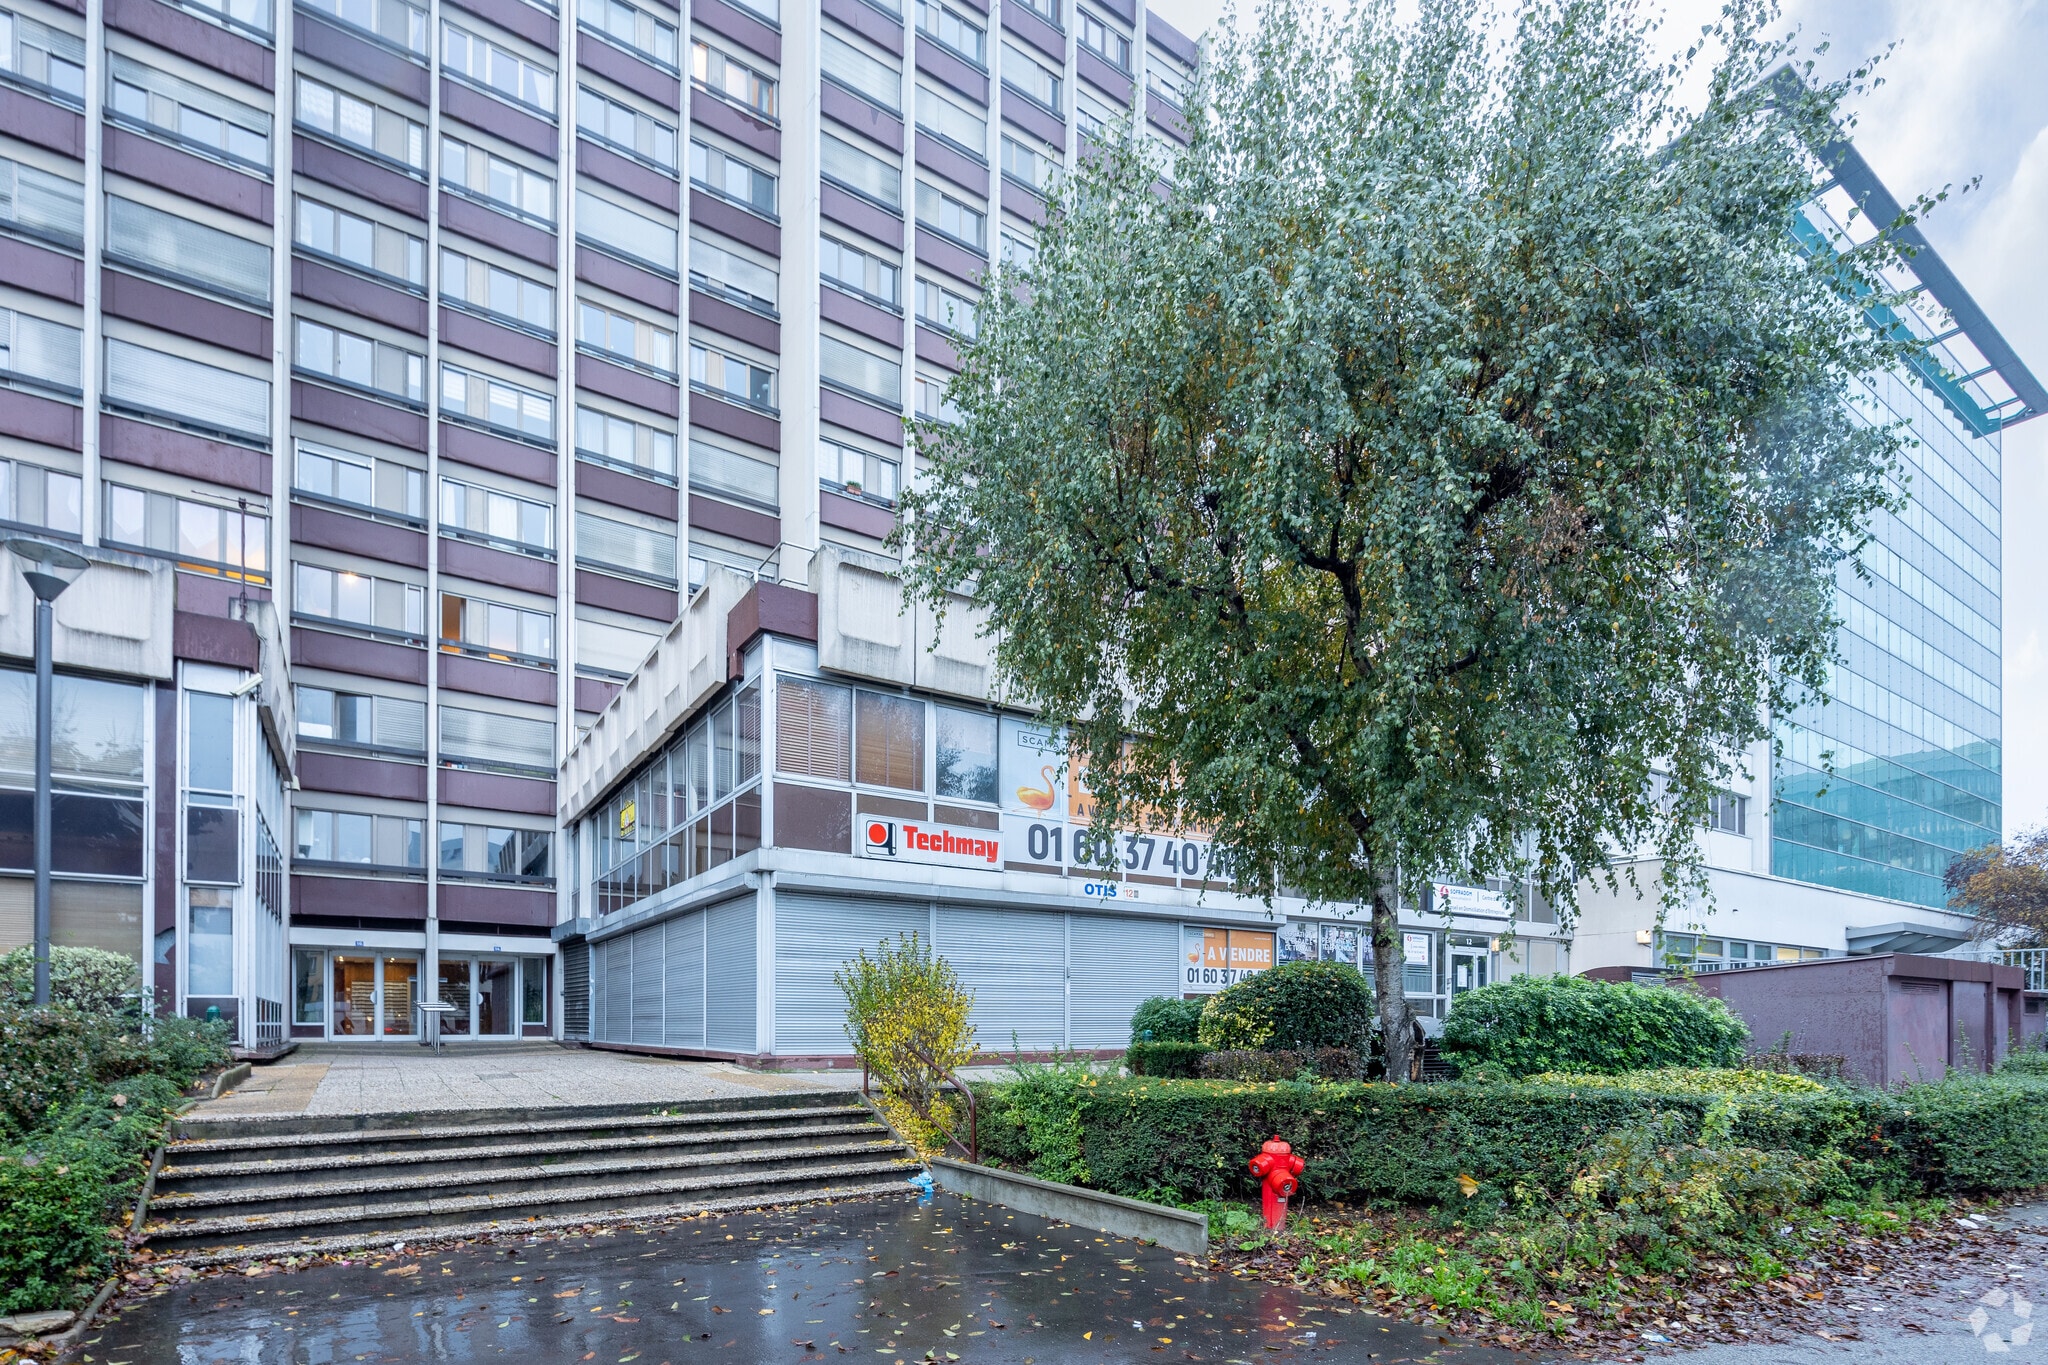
x=1903, y=936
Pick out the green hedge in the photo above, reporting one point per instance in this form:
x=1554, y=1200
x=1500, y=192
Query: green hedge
x=1292, y=1006
x=1570, y=1023
x=1165, y=1059
x=1166, y=1019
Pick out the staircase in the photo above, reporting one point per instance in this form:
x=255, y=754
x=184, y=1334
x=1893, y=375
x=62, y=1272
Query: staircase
x=230, y=1187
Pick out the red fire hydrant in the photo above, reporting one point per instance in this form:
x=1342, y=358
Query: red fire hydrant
x=1276, y=1166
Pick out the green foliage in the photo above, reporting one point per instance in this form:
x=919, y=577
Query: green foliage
x=1694, y=1081
x=1166, y=1019
x=1293, y=1005
x=1536, y=1024
x=1165, y=1059
x=1972, y=1133
x=907, y=1017
x=84, y=978
x=2017, y=1063
x=1661, y=1183
x=1044, y=1103
x=1327, y=1063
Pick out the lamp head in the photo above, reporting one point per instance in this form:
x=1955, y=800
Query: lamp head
x=48, y=568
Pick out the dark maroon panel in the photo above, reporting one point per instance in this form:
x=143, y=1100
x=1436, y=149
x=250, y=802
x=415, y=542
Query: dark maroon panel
x=735, y=321
x=730, y=419
x=934, y=155
x=194, y=177
x=330, y=165
x=211, y=595
x=736, y=223
x=855, y=212
x=466, y=559
x=362, y=776
x=1165, y=118
x=748, y=32
x=849, y=412
x=628, y=386
x=623, y=173
x=956, y=261
x=1103, y=76
x=39, y=121
x=46, y=420
x=42, y=271
x=1170, y=39
x=180, y=452
x=488, y=678
x=935, y=346
x=188, y=315
x=359, y=415
x=495, y=791
x=1034, y=120
x=943, y=66
x=1022, y=202
x=354, y=654
x=609, y=272
x=332, y=530
x=602, y=483
x=482, y=903
x=615, y=63
x=709, y=514
x=851, y=514
x=1035, y=31
x=472, y=219
x=857, y=114
x=354, y=294
x=359, y=897
x=773, y=608
x=190, y=36
x=514, y=16
x=484, y=337
x=721, y=117
x=593, y=694
x=1127, y=10
x=635, y=599
x=467, y=445
x=378, y=65
x=869, y=22
x=213, y=639
x=848, y=311
x=473, y=107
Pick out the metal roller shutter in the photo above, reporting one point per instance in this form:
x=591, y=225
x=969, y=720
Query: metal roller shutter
x=814, y=936
x=618, y=991
x=576, y=990
x=648, y=955
x=683, y=981
x=1015, y=962
x=1115, y=963
x=729, y=976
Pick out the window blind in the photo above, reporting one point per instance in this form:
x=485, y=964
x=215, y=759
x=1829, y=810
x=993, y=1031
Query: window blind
x=718, y=470
x=44, y=204
x=889, y=735
x=867, y=76
x=190, y=391
x=41, y=350
x=813, y=727
x=615, y=544
x=607, y=225
x=853, y=168
x=852, y=368
x=175, y=246
x=610, y=649
x=514, y=741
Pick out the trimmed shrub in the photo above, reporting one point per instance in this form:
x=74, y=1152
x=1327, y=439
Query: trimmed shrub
x=1571, y=1024
x=90, y=979
x=1166, y=1019
x=1325, y=1063
x=1292, y=1006
x=2034, y=1063
x=1679, y=1080
x=1165, y=1059
x=1975, y=1133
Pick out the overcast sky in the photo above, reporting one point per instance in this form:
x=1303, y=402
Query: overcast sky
x=1963, y=97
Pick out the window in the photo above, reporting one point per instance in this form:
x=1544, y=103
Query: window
x=482, y=62
x=729, y=377
x=353, y=599
x=1029, y=165
x=1019, y=251
x=633, y=28
x=212, y=812
x=628, y=339
x=354, y=480
x=730, y=178
x=494, y=853
x=607, y=543
x=625, y=129
x=359, y=360
x=96, y=758
x=1092, y=116
x=188, y=252
x=252, y=16
x=610, y=651
x=396, y=22
x=813, y=729
x=731, y=474
x=623, y=232
x=947, y=118
x=484, y=514
x=199, y=535
x=210, y=943
x=1104, y=41
x=620, y=441
x=1728, y=813
x=712, y=70
x=888, y=734
x=533, y=990
x=874, y=80
x=849, y=367
x=190, y=115
x=41, y=204
x=940, y=307
x=944, y=214
x=966, y=755
x=342, y=236
x=503, y=184
x=511, y=408
x=860, y=272
x=732, y=277
x=189, y=392
x=354, y=839
x=488, y=739
x=47, y=58
x=33, y=496
x=1048, y=10
x=861, y=473
x=481, y=287
x=950, y=29
x=471, y=625
x=932, y=402
x=360, y=721
x=361, y=124
x=1023, y=74
x=1167, y=80
x=39, y=352
x=848, y=167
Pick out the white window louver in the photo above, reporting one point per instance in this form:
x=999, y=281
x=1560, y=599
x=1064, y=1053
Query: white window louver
x=718, y=470
x=853, y=168
x=849, y=367
x=40, y=350
x=37, y=202
x=490, y=738
x=869, y=77
x=605, y=543
x=401, y=724
x=620, y=230
x=167, y=244
x=190, y=391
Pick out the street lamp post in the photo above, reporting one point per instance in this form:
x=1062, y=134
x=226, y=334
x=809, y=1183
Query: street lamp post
x=49, y=570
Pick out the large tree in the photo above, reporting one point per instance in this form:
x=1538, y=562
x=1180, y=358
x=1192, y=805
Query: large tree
x=1451, y=431
x=2005, y=888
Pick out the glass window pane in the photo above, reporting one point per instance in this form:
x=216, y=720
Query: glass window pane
x=966, y=755
x=210, y=742
x=889, y=741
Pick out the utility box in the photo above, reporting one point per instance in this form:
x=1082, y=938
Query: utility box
x=1892, y=1017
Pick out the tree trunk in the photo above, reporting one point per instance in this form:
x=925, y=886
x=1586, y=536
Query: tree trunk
x=1397, y=1021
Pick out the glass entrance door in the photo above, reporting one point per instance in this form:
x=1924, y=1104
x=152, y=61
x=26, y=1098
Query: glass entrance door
x=455, y=991
x=397, y=998
x=1468, y=970
x=354, y=998
x=497, y=997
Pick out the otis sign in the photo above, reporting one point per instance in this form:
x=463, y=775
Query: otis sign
x=920, y=842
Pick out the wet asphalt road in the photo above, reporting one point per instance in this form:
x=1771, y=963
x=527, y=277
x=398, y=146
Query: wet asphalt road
x=879, y=1281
